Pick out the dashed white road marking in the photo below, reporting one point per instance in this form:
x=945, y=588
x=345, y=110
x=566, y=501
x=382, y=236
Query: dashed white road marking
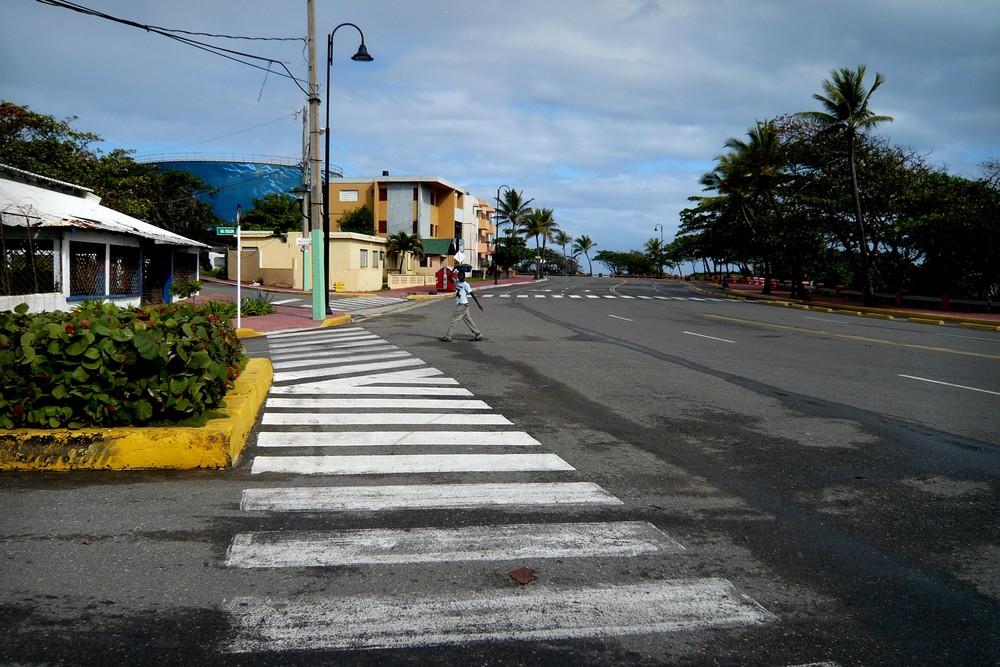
x=381, y=546
x=408, y=463
x=949, y=384
x=424, y=496
x=528, y=613
x=723, y=340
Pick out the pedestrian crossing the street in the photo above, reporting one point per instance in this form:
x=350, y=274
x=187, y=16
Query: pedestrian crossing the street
x=355, y=427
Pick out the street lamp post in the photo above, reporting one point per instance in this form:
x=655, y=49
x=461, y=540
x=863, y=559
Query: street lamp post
x=659, y=252
x=361, y=56
x=496, y=235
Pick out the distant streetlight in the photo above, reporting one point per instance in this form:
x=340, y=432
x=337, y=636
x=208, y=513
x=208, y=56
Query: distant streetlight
x=496, y=235
x=361, y=56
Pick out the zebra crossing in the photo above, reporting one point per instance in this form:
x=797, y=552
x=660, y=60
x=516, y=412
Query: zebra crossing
x=351, y=304
x=348, y=388
x=624, y=297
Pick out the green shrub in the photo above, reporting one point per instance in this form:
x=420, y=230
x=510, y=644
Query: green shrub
x=258, y=303
x=103, y=365
x=183, y=289
x=224, y=309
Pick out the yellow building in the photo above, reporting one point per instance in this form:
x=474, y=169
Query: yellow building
x=429, y=207
x=357, y=261
x=441, y=214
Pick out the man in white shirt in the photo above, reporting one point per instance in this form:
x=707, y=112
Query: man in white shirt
x=462, y=293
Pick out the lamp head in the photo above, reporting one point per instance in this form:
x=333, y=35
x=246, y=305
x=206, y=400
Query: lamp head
x=362, y=55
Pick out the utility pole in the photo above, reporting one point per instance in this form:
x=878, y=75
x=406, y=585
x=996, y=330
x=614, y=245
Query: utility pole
x=316, y=174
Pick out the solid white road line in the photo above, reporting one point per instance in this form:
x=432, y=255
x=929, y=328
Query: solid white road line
x=408, y=463
x=323, y=360
x=288, y=376
x=723, y=340
x=528, y=613
x=424, y=497
x=377, y=403
x=382, y=418
x=378, y=546
x=394, y=438
x=949, y=384
x=620, y=318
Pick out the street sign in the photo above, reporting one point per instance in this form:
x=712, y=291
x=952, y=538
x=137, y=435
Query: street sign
x=225, y=231
x=303, y=241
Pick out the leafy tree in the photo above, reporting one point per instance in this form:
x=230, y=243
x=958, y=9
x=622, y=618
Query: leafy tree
x=43, y=145
x=511, y=252
x=401, y=244
x=166, y=198
x=276, y=212
x=847, y=113
x=634, y=262
x=582, y=246
x=360, y=221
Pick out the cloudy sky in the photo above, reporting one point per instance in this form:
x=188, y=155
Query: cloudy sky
x=606, y=111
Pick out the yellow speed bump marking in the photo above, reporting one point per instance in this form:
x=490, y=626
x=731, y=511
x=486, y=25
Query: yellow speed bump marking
x=864, y=339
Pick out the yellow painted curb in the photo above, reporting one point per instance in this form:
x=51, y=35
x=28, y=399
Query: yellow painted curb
x=218, y=444
x=337, y=321
x=979, y=327
x=922, y=320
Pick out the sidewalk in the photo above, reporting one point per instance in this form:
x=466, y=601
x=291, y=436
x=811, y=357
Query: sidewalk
x=989, y=321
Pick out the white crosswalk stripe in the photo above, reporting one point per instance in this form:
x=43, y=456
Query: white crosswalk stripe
x=437, y=545
x=341, y=402
x=530, y=613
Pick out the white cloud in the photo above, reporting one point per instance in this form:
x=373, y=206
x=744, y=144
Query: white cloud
x=607, y=111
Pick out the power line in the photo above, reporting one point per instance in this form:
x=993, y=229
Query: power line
x=229, y=54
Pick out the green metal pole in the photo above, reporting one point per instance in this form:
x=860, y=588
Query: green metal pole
x=319, y=294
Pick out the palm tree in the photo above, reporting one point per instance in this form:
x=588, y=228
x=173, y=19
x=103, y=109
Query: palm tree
x=540, y=223
x=562, y=239
x=582, y=246
x=514, y=208
x=846, y=112
x=654, y=250
x=402, y=243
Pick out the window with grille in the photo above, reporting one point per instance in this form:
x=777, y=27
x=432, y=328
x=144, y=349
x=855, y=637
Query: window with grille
x=124, y=271
x=86, y=269
x=30, y=266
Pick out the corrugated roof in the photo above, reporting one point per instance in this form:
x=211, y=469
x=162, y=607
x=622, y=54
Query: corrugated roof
x=23, y=203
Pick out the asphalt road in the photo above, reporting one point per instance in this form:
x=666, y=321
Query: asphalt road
x=769, y=487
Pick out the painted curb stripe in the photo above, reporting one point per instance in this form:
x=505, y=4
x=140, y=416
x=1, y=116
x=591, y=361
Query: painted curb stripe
x=423, y=496
x=395, y=438
x=443, y=545
x=407, y=463
x=529, y=613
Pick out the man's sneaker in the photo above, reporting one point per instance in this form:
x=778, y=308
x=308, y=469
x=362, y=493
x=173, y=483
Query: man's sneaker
x=444, y=339
x=479, y=337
